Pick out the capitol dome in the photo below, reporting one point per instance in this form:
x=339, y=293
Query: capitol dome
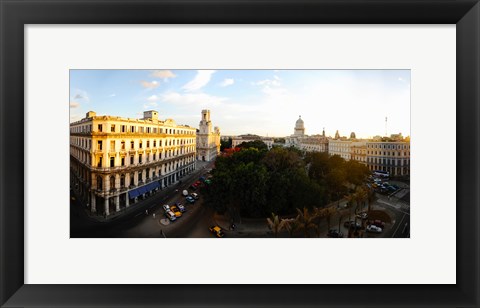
x=299, y=128
x=299, y=123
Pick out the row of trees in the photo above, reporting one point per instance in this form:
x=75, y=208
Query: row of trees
x=255, y=182
x=307, y=222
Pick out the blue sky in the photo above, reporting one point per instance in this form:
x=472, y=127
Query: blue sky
x=263, y=102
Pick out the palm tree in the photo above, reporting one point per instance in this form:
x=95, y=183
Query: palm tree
x=291, y=225
x=275, y=224
x=305, y=221
x=323, y=213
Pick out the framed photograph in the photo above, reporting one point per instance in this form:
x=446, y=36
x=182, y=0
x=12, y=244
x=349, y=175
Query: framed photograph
x=239, y=153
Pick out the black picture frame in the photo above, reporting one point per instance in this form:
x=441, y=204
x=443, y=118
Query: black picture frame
x=15, y=14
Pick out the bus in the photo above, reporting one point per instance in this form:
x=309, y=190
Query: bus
x=382, y=174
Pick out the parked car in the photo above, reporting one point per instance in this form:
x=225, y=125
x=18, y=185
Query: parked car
x=192, y=187
x=190, y=199
x=391, y=188
x=176, y=211
x=362, y=215
x=334, y=233
x=170, y=215
x=352, y=225
x=195, y=196
x=217, y=231
x=180, y=207
x=374, y=229
x=166, y=207
x=377, y=223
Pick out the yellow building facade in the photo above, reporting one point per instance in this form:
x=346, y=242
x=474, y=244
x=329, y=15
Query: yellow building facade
x=115, y=161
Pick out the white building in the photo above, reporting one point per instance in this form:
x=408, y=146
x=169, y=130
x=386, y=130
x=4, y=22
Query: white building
x=115, y=161
x=208, y=139
x=391, y=156
x=237, y=140
x=315, y=143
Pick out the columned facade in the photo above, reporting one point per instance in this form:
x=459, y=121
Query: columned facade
x=115, y=162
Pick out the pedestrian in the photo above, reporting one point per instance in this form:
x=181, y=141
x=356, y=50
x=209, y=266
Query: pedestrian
x=153, y=215
x=146, y=212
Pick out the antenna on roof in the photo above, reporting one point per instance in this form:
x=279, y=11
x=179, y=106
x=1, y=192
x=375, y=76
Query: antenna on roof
x=386, y=127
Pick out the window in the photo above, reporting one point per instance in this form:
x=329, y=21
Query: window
x=160, y=143
x=148, y=173
x=112, y=161
x=131, y=160
x=99, y=162
x=140, y=176
x=99, y=183
x=132, y=129
x=132, y=144
x=112, y=182
x=112, y=129
x=154, y=156
x=154, y=143
x=123, y=161
x=123, y=145
x=100, y=127
x=139, y=158
x=99, y=145
x=124, y=128
x=122, y=180
x=148, y=143
x=140, y=144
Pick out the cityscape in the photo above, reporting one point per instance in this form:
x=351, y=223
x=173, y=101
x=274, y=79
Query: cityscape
x=228, y=154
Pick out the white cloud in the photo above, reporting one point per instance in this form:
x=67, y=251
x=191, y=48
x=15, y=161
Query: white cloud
x=164, y=74
x=150, y=85
x=149, y=105
x=152, y=98
x=112, y=95
x=192, y=99
x=74, y=104
x=201, y=79
x=79, y=95
x=227, y=82
x=267, y=82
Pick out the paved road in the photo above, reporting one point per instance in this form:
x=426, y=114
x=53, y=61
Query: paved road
x=135, y=223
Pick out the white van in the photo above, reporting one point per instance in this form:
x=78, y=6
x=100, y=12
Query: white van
x=185, y=193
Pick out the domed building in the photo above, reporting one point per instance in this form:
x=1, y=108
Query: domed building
x=299, y=127
x=315, y=143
